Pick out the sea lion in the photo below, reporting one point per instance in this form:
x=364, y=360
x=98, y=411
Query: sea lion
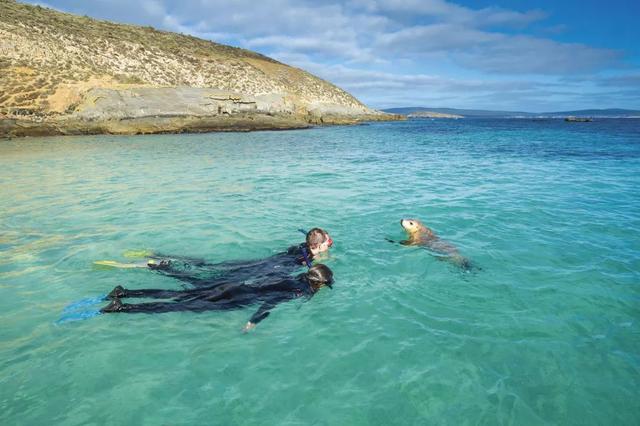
x=420, y=235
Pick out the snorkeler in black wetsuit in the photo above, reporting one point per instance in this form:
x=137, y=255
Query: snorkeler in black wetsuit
x=199, y=273
x=226, y=296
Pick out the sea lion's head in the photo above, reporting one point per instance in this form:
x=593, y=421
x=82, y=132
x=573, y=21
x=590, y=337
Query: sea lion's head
x=414, y=227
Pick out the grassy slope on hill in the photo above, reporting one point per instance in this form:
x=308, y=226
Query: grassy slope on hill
x=48, y=59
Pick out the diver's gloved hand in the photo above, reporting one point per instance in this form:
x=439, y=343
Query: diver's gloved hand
x=248, y=327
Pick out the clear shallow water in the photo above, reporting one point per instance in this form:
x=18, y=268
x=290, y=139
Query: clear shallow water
x=547, y=332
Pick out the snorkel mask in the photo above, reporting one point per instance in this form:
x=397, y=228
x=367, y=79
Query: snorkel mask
x=329, y=284
x=329, y=240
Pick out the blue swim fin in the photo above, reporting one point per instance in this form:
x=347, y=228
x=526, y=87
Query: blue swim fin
x=78, y=316
x=74, y=312
x=83, y=303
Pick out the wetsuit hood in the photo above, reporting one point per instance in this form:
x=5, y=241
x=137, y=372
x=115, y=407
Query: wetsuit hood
x=319, y=274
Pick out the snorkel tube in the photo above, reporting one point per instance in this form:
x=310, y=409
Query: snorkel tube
x=305, y=253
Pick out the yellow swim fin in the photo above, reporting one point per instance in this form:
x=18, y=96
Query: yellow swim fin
x=114, y=264
x=137, y=253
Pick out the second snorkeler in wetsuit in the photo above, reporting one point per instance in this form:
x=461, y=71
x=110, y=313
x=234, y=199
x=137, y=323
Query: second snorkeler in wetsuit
x=225, y=296
x=199, y=273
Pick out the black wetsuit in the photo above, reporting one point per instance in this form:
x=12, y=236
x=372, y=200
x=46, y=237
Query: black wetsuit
x=218, y=297
x=199, y=273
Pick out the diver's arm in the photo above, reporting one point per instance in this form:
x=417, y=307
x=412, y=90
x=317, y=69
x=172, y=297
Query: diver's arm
x=262, y=312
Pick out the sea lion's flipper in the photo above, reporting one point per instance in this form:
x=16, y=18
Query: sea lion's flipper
x=457, y=260
x=403, y=242
x=465, y=264
x=470, y=266
x=439, y=257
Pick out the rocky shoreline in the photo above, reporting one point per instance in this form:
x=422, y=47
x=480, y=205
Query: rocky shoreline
x=11, y=128
x=147, y=110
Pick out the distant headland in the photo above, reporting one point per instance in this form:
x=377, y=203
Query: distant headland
x=415, y=112
x=432, y=114
x=64, y=74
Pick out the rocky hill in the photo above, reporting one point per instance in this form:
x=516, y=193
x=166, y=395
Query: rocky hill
x=66, y=74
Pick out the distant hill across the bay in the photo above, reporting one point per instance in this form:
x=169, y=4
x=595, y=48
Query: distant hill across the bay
x=611, y=112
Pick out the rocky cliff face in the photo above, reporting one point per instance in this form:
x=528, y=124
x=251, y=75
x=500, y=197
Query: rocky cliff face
x=65, y=74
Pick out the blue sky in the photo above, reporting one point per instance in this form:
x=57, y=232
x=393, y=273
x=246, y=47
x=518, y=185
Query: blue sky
x=511, y=55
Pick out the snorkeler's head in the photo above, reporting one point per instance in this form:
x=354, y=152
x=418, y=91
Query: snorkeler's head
x=318, y=240
x=319, y=275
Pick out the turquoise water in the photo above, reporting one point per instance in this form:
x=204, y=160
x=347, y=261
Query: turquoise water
x=547, y=332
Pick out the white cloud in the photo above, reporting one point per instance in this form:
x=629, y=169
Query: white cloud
x=436, y=37
x=153, y=8
x=530, y=55
x=453, y=13
x=624, y=80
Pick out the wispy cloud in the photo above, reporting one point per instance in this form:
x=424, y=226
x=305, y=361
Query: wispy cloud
x=453, y=13
x=624, y=80
x=530, y=55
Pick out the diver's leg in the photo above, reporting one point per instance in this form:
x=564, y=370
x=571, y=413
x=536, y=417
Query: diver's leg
x=191, y=261
x=242, y=271
x=158, y=307
x=178, y=270
x=188, y=262
x=222, y=277
x=120, y=292
x=201, y=274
